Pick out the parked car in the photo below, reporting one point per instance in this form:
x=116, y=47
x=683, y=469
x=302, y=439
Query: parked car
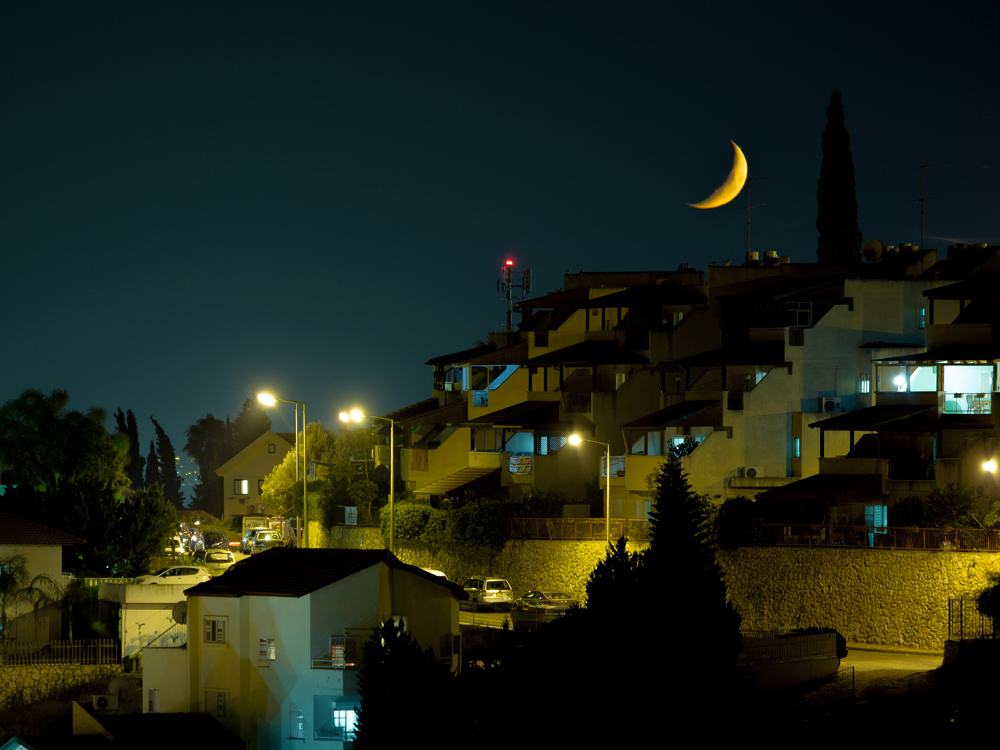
x=265, y=539
x=491, y=591
x=215, y=540
x=545, y=601
x=217, y=561
x=248, y=536
x=196, y=541
x=175, y=546
x=186, y=575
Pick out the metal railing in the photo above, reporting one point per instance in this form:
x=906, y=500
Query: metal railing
x=967, y=623
x=589, y=529
x=879, y=537
x=769, y=647
x=99, y=651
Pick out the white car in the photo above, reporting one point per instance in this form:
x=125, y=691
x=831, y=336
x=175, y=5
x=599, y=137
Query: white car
x=184, y=575
x=217, y=561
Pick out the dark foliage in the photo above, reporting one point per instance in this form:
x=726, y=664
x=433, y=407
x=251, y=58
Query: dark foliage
x=402, y=688
x=135, y=463
x=482, y=524
x=737, y=522
x=953, y=505
x=153, y=475
x=836, y=198
x=209, y=443
x=908, y=511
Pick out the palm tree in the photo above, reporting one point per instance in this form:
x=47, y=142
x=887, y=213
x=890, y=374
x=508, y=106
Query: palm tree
x=18, y=589
x=77, y=597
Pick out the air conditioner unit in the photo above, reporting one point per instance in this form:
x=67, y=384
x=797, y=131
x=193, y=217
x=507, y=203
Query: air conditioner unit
x=829, y=404
x=104, y=702
x=752, y=472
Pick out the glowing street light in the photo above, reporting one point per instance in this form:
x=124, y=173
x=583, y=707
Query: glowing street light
x=990, y=466
x=268, y=400
x=576, y=440
x=355, y=415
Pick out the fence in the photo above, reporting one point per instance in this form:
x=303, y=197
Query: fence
x=768, y=647
x=883, y=537
x=967, y=623
x=100, y=651
x=581, y=529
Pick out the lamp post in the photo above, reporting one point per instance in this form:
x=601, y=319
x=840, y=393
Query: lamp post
x=355, y=415
x=576, y=440
x=268, y=400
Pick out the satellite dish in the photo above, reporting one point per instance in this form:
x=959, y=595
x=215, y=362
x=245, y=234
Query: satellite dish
x=872, y=250
x=120, y=687
x=179, y=612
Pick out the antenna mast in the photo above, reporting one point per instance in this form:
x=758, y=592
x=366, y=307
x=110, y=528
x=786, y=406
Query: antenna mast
x=506, y=287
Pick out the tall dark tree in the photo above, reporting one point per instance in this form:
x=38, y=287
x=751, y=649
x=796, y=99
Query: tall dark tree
x=135, y=462
x=209, y=443
x=836, y=198
x=250, y=424
x=69, y=474
x=153, y=475
x=681, y=547
x=172, y=481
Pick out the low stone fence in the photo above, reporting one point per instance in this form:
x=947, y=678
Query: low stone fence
x=36, y=682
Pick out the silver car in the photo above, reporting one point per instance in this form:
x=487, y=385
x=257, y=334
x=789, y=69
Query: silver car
x=489, y=591
x=217, y=561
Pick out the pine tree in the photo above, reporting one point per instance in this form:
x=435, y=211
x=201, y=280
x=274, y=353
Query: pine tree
x=168, y=467
x=836, y=197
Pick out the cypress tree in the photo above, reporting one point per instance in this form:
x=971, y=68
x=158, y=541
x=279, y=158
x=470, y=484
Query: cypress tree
x=152, y=467
x=836, y=197
x=168, y=467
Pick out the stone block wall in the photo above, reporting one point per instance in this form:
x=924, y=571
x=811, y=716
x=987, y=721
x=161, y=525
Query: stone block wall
x=526, y=563
x=36, y=682
x=888, y=597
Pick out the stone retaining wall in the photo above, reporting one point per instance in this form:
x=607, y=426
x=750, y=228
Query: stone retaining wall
x=889, y=597
x=36, y=682
x=526, y=563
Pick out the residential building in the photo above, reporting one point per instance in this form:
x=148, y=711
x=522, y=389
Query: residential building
x=42, y=548
x=725, y=367
x=275, y=644
x=243, y=475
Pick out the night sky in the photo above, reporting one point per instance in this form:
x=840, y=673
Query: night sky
x=200, y=200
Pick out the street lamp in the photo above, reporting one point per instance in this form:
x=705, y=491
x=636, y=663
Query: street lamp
x=268, y=400
x=355, y=415
x=576, y=440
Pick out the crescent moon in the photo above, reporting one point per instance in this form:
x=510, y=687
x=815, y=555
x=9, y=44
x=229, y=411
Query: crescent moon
x=731, y=187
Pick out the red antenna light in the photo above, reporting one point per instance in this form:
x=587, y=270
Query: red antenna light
x=510, y=262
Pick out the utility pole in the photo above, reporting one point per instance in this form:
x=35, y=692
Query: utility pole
x=506, y=287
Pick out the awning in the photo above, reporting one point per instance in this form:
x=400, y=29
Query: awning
x=749, y=353
x=957, y=355
x=876, y=418
x=455, y=413
x=458, y=479
x=524, y=414
x=828, y=487
x=589, y=353
x=683, y=414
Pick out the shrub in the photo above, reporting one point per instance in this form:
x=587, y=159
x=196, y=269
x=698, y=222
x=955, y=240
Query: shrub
x=737, y=522
x=909, y=511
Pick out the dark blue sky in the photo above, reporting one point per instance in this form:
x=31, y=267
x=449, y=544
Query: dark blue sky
x=202, y=199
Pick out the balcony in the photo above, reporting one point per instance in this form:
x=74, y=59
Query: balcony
x=344, y=653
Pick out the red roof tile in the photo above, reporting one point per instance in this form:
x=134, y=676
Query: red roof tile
x=16, y=530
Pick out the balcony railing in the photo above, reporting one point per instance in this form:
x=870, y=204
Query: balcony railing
x=100, y=651
x=617, y=466
x=881, y=537
x=344, y=653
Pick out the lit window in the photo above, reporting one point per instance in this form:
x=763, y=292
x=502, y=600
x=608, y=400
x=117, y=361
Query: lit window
x=241, y=486
x=267, y=649
x=864, y=382
x=922, y=318
x=796, y=447
x=215, y=629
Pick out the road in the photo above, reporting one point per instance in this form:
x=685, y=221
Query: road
x=878, y=674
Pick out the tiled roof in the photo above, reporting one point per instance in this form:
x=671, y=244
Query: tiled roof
x=297, y=572
x=16, y=530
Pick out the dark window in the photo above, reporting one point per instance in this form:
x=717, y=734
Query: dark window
x=796, y=336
